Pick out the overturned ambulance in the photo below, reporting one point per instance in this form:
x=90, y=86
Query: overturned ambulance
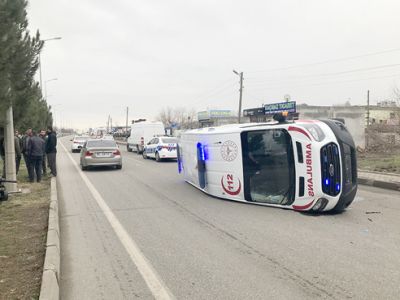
x=306, y=165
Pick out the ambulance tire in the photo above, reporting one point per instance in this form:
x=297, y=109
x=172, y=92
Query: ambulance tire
x=339, y=209
x=158, y=158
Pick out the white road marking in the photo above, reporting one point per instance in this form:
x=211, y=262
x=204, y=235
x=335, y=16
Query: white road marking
x=149, y=274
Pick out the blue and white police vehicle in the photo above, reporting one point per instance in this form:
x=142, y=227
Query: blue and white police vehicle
x=161, y=148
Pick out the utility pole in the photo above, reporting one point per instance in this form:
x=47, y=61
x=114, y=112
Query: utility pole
x=126, y=123
x=11, y=172
x=240, y=94
x=368, y=109
x=108, y=123
x=367, y=131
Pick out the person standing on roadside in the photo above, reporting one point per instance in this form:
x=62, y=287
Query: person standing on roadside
x=42, y=135
x=35, y=153
x=24, y=142
x=17, y=150
x=51, y=150
x=17, y=144
x=3, y=155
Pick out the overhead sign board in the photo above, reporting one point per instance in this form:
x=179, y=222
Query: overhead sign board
x=274, y=108
x=259, y=111
x=215, y=113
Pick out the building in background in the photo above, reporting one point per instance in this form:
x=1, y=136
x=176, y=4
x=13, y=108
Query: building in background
x=216, y=117
x=384, y=114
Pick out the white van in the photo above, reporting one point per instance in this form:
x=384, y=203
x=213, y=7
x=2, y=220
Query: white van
x=142, y=133
x=301, y=165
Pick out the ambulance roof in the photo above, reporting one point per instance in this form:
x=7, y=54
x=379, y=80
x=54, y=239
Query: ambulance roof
x=237, y=128
x=231, y=128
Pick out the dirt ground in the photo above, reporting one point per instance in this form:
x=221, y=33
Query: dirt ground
x=23, y=229
x=380, y=161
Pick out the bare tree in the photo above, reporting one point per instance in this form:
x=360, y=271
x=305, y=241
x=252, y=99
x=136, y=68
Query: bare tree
x=179, y=116
x=166, y=116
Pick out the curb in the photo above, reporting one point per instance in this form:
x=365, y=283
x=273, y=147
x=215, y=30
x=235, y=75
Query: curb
x=380, y=184
x=50, y=288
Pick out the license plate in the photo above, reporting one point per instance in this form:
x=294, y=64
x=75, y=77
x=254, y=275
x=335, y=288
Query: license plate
x=103, y=154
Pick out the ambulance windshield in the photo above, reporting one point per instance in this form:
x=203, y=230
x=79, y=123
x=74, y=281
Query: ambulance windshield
x=268, y=166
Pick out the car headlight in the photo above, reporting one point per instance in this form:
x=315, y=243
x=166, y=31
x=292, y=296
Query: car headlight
x=315, y=131
x=320, y=204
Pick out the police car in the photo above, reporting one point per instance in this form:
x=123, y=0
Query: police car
x=161, y=148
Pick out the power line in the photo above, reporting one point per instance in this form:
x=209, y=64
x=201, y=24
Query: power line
x=331, y=82
x=215, y=92
x=326, y=61
x=330, y=74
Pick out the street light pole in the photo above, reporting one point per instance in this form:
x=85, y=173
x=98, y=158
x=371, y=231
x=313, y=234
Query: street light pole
x=45, y=86
x=126, y=124
x=240, y=94
x=40, y=60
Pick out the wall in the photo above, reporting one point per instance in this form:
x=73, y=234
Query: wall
x=354, y=117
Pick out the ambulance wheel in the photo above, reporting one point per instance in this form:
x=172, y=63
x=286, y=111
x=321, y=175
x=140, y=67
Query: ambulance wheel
x=158, y=158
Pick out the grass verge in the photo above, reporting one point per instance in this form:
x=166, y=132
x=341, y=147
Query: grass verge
x=378, y=162
x=23, y=229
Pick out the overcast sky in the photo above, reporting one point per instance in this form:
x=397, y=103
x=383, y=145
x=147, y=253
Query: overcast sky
x=150, y=54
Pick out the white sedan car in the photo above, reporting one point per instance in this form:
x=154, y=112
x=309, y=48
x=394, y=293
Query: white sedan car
x=77, y=143
x=161, y=148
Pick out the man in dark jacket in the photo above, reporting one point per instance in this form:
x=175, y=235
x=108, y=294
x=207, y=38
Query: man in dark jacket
x=42, y=135
x=35, y=153
x=17, y=153
x=51, y=150
x=17, y=143
x=24, y=149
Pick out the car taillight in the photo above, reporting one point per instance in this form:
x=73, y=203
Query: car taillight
x=116, y=152
x=88, y=153
x=75, y=142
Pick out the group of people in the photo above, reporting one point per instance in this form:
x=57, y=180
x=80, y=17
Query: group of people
x=36, y=148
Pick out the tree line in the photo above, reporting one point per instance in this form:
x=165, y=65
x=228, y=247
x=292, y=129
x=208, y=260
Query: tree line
x=178, y=117
x=19, y=62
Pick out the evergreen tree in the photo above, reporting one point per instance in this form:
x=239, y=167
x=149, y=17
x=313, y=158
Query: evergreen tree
x=19, y=53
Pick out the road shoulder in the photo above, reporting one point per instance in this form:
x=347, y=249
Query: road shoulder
x=51, y=271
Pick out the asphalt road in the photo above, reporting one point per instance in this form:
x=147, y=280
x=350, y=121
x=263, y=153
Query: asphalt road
x=142, y=231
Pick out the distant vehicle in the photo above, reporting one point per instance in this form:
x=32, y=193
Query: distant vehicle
x=108, y=137
x=99, y=132
x=305, y=165
x=161, y=148
x=78, y=142
x=100, y=152
x=142, y=133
